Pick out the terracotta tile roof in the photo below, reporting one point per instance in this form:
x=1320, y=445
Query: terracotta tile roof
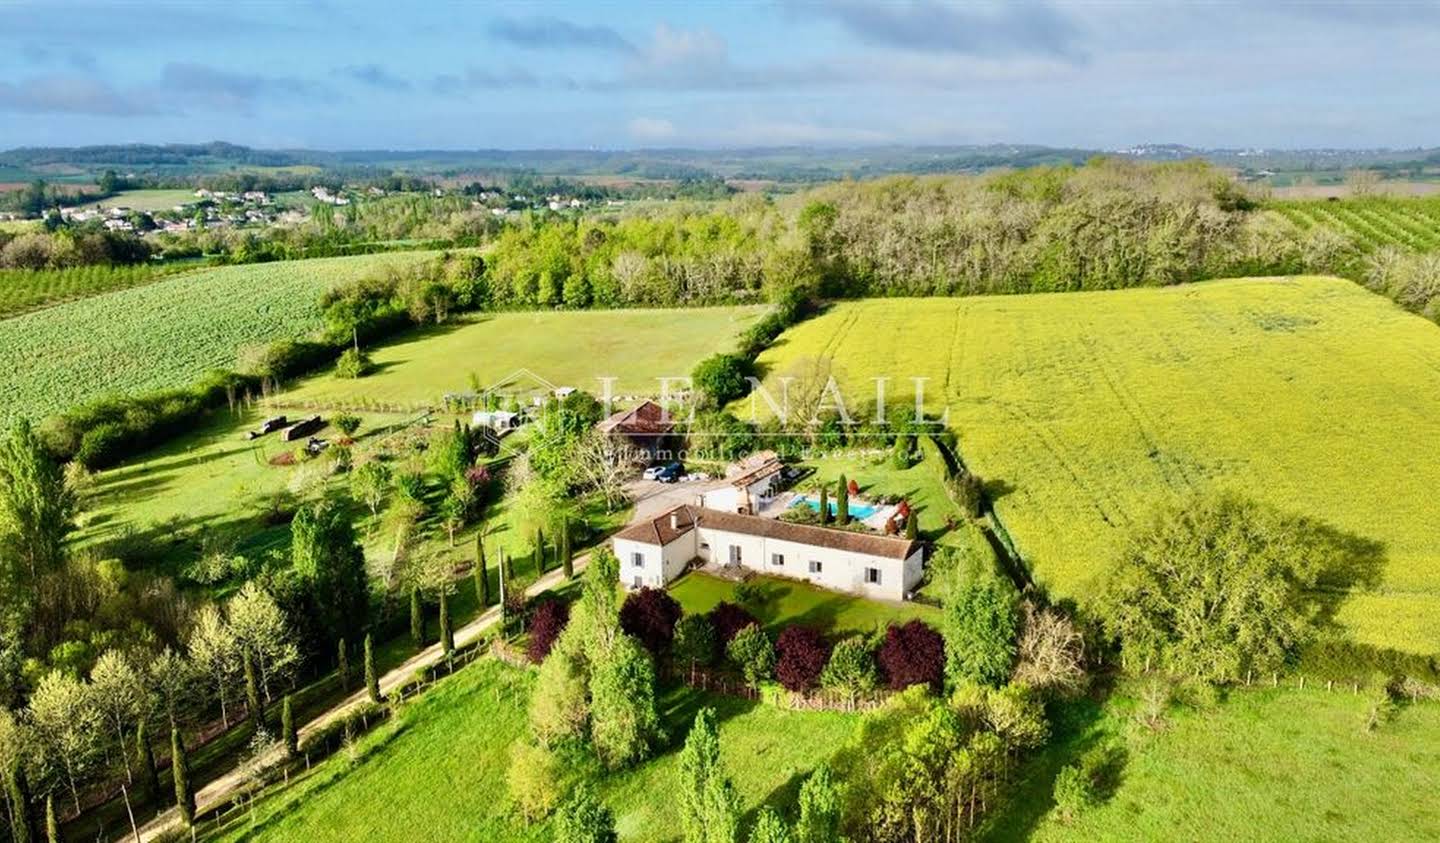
x=657, y=530
x=759, y=472
x=648, y=419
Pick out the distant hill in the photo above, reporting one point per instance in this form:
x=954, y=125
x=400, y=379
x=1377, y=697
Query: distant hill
x=782, y=164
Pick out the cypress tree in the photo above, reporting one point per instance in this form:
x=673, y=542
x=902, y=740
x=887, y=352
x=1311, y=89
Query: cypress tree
x=912, y=530
x=447, y=635
x=145, y=760
x=539, y=552
x=287, y=727
x=417, y=619
x=842, y=502
x=372, y=679
x=180, y=770
x=567, y=554
x=252, y=693
x=824, y=505
x=22, y=825
x=482, y=577
x=52, y=823
x=343, y=661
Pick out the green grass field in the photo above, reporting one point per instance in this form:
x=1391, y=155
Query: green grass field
x=566, y=348
x=1265, y=765
x=784, y=602
x=149, y=200
x=164, y=334
x=1084, y=410
x=441, y=767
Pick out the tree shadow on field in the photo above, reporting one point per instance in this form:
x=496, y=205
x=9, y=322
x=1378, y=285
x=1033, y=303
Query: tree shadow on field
x=1346, y=563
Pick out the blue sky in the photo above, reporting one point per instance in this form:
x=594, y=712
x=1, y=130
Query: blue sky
x=455, y=75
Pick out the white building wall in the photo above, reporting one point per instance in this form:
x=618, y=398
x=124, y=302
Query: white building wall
x=658, y=565
x=841, y=570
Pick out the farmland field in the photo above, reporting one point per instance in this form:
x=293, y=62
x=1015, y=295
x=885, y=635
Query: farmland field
x=149, y=200
x=1266, y=765
x=565, y=348
x=1084, y=410
x=24, y=289
x=164, y=334
x=1371, y=222
x=442, y=769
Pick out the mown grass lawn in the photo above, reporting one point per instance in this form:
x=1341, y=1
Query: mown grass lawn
x=784, y=602
x=1264, y=765
x=1083, y=411
x=566, y=348
x=149, y=200
x=438, y=772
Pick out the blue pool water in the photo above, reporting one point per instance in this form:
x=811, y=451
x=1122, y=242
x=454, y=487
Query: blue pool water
x=857, y=510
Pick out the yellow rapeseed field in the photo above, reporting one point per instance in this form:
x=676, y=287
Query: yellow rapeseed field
x=1085, y=410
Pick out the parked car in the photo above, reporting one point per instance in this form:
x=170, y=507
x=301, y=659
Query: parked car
x=654, y=471
x=671, y=473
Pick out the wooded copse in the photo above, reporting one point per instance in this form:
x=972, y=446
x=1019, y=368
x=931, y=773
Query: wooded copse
x=1109, y=224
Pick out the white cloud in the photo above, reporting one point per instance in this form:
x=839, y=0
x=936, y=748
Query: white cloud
x=651, y=129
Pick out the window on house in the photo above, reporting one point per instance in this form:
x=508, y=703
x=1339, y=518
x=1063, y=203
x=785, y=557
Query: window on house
x=734, y=554
x=635, y=583
x=777, y=559
x=637, y=559
x=815, y=566
x=872, y=576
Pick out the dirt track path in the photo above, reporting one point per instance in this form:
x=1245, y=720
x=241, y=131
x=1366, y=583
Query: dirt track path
x=222, y=788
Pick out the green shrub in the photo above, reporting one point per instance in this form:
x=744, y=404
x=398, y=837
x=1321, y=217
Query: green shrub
x=352, y=364
x=753, y=653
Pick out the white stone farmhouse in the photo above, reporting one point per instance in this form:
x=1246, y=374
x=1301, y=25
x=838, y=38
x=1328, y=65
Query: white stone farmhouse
x=657, y=550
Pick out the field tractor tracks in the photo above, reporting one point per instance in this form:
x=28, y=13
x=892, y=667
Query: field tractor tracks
x=1171, y=469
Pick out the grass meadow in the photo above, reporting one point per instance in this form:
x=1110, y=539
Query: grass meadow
x=783, y=602
x=439, y=769
x=164, y=334
x=1082, y=411
x=573, y=348
x=1276, y=765
x=149, y=200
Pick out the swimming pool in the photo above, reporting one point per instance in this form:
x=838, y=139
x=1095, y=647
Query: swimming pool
x=857, y=510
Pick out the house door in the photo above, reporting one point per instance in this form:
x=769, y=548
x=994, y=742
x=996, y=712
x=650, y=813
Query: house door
x=734, y=554
x=637, y=582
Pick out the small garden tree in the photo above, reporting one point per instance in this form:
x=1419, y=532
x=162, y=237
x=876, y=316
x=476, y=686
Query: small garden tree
x=912, y=654
x=753, y=653
x=650, y=615
x=695, y=642
x=372, y=678
x=546, y=625
x=728, y=619
x=801, y=656
x=347, y=423
x=480, y=574
x=851, y=668
x=584, y=819
x=180, y=772
x=842, y=502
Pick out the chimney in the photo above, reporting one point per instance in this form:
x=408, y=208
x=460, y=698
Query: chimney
x=675, y=520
